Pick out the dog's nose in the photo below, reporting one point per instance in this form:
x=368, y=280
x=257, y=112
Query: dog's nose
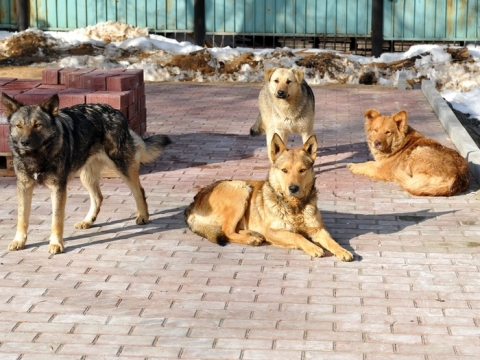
x=377, y=143
x=293, y=189
x=281, y=93
x=25, y=142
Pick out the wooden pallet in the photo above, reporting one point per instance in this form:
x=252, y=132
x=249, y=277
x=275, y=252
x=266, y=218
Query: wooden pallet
x=6, y=164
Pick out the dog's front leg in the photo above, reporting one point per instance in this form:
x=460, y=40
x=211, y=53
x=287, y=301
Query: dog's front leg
x=24, y=195
x=369, y=169
x=289, y=240
x=59, y=200
x=322, y=237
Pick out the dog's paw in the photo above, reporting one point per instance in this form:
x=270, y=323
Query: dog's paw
x=345, y=255
x=83, y=225
x=255, y=239
x=56, y=248
x=142, y=219
x=314, y=250
x=16, y=245
x=351, y=167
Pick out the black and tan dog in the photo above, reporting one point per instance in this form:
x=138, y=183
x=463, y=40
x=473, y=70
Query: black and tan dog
x=49, y=146
x=281, y=210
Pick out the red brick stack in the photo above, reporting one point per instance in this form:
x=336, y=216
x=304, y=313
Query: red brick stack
x=122, y=89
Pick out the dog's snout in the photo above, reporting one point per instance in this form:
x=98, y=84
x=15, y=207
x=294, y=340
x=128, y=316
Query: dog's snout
x=377, y=143
x=293, y=189
x=281, y=94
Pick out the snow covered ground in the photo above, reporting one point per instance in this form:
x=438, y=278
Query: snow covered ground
x=109, y=45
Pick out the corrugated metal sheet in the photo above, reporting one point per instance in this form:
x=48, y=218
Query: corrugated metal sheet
x=417, y=20
x=453, y=20
x=160, y=15
x=8, y=14
x=288, y=17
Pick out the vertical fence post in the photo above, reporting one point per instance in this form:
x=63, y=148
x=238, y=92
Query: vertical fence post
x=199, y=22
x=22, y=15
x=377, y=27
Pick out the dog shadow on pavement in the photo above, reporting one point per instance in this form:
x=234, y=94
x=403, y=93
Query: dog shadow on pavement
x=344, y=227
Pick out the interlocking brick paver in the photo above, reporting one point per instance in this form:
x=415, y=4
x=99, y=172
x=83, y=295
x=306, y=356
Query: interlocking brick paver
x=160, y=292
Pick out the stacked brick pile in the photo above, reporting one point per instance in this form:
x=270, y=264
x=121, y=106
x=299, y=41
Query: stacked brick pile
x=122, y=89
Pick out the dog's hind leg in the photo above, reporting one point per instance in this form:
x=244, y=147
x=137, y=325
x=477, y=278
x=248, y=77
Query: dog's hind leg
x=257, y=128
x=24, y=194
x=132, y=179
x=90, y=176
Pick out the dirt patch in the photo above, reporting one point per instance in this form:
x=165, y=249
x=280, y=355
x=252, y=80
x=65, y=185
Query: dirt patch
x=196, y=62
x=21, y=72
x=324, y=63
x=237, y=63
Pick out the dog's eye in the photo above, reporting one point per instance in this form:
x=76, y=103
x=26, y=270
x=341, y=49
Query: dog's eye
x=288, y=82
x=387, y=132
x=302, y=171
x=285, y=171
x=276, y=81
x=18, y=126
x=37, y=126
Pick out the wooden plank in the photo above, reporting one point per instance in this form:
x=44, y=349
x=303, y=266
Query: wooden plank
x=6, y=164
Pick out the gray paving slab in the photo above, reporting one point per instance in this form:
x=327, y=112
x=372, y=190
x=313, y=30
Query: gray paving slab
x=160, y=292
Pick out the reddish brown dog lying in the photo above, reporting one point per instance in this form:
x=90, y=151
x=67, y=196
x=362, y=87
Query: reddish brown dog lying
x=420, y=165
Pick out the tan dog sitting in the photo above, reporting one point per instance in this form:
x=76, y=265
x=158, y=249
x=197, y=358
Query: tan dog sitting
x=287, y=105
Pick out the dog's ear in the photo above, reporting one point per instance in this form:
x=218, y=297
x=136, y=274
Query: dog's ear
x=268, y=73
x=10, y=105
x=299, y=75
x=371, y=114
x=51, y=105
x=310, y=147
x=277, y=147
x=400, y=119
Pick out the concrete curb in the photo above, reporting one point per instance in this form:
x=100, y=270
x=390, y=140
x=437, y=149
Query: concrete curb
x=460, y=137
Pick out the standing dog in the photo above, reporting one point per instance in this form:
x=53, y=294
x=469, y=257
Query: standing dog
x=50, y=145
x=281, y=210
x=420, y=165
x=287, y=105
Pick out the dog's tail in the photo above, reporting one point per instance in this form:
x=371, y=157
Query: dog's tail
x=151, y=147
x=210, y=232
x=425, y=185
x=257, y=128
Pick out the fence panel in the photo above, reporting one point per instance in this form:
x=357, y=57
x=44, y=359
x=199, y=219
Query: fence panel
x=410, y=20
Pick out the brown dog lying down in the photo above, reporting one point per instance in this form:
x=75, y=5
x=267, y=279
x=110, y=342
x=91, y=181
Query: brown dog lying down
x=281, y=211
x=420, y=165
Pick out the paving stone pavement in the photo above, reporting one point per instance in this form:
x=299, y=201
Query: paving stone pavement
x=160, y=292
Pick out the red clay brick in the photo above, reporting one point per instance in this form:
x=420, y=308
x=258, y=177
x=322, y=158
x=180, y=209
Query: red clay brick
x=74, y=79
x=121, y=82
x=5, y=80
x=140, y=91
x=34, y=97
x=21, y=84
x=86, y=79
x=64, y=73
x=142, y=103
x=51, y=76
x=133, y=110
x=138, y=73
x=117, y=100
x=68, y=99
x=58, y=87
